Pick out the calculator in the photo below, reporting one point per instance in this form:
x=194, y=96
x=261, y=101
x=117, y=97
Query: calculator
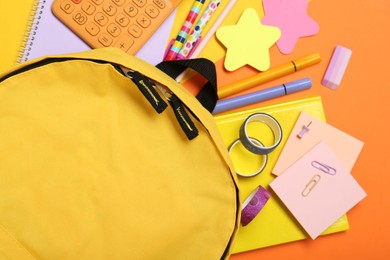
x=125, y=24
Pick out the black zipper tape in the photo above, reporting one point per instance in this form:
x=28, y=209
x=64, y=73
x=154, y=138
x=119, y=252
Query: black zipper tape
x=37, y=65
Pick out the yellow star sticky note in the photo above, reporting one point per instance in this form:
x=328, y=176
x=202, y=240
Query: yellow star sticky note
x=248, y=42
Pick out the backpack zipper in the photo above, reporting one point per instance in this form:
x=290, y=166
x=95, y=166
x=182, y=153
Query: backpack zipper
x=35, y=65
x=142, y=83
x=146, y=85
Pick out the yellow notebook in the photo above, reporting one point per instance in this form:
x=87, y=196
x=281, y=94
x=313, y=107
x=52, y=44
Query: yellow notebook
x=15, y=17
x=274, y=224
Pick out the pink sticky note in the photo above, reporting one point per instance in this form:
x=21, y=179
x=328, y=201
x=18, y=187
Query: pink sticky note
x=292, y=19
x=301, y=141
x=317, y=189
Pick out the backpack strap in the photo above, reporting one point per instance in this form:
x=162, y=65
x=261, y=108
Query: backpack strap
x=208, y=94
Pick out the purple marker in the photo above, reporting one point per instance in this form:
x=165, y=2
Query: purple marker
x=262, y=95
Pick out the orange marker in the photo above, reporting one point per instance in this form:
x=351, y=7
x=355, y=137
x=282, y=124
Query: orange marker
x=269, y=75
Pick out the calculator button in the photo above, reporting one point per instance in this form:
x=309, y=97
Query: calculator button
x=159, y=3
x=140, y=3
x=67, y=7
x=135, y=30
x=101, y=19
x=105, y=40
x=88, y=8
x=76, y=1
x=80, y=18
x=143, y=21
x=130, y=10
x=92, y=29
x=109, y=9
x=98, y=2
x=124, y=43
x=113, y=29
x=152, y=11
x=122, y=20
x=119, y=2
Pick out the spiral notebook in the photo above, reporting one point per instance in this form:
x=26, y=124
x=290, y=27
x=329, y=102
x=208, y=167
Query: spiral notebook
x=46, y=35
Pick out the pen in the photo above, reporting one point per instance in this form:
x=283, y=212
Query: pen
x=213, y=28
x=200, y=46
x=186, y=27
x=262, y=95
x=269, y=75
x=195, y=34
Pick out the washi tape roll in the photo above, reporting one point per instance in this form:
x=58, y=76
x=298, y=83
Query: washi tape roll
x=254, y=204
x=271, y=122
x=263, y=162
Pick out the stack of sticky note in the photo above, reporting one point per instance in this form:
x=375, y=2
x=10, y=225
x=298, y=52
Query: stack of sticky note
x=248, y=42
x=314, y=180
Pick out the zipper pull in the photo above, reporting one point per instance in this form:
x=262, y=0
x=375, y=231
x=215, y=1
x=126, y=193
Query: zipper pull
x=148, y=90
x=182, y=117
x=181, y=114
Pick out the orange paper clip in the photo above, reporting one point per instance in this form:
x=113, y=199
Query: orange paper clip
x=310, y=185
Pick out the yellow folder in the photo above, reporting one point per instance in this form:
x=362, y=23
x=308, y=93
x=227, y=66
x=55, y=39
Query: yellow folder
x=274, y=224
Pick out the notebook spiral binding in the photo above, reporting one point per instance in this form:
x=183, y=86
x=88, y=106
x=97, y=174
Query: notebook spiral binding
x=31, y=29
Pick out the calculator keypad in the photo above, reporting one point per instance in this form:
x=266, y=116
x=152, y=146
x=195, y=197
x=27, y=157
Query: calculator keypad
x=125, y=24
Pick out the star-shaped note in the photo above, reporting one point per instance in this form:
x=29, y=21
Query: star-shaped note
x=248, y=42
x=291, y=17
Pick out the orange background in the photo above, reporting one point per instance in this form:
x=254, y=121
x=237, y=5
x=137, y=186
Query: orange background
x=359, y=107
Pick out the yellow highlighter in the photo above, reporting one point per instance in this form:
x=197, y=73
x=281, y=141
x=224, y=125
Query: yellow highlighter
x=269, y=75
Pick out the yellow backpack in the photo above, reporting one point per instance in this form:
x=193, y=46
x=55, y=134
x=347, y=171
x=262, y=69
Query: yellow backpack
x=95, y=165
